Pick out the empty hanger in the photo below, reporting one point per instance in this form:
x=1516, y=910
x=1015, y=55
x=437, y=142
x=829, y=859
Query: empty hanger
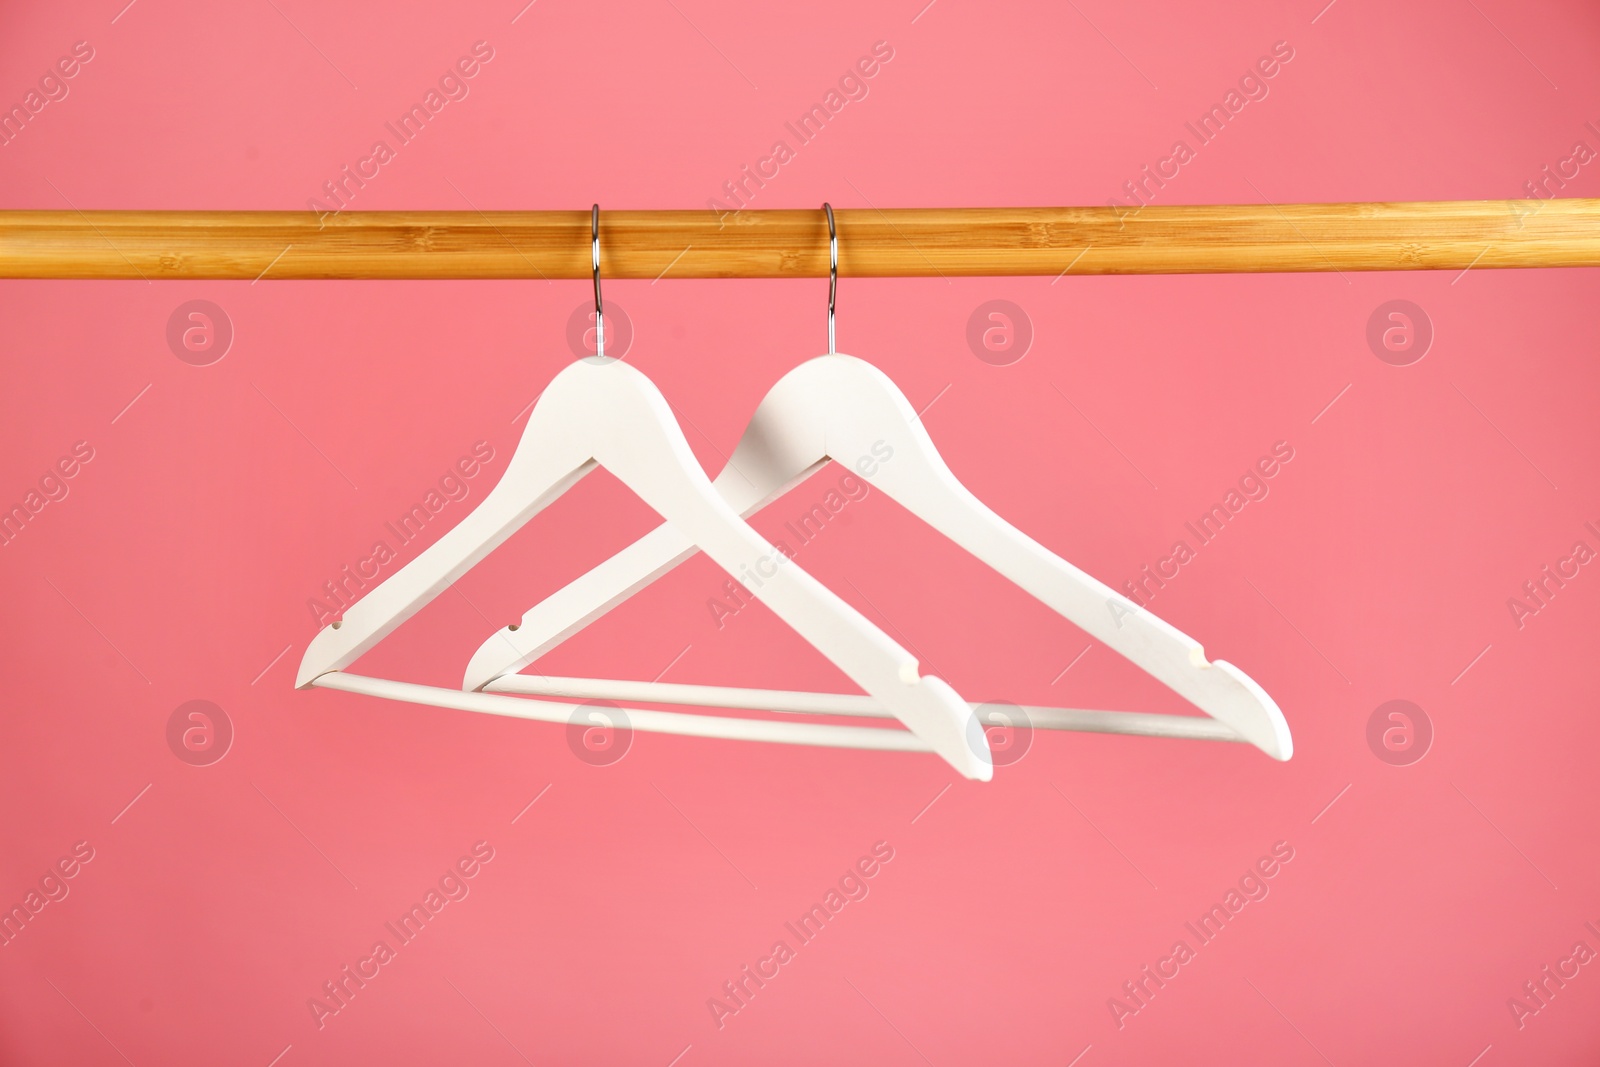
x=839, y=408
x=603, y=412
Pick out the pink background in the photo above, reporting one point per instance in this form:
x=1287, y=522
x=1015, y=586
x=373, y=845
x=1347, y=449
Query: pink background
x=220, y=898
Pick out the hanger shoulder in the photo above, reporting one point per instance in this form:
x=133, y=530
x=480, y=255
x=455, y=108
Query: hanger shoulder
x=608, y=413
x=546, y=462
x=843, y=408
x=773, y=455
x=782, y=446
x=640, y=442
x=870, y=417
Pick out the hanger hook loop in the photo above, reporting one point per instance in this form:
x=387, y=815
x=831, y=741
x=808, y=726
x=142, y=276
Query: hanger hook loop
x=599, y=306
x=833, y=272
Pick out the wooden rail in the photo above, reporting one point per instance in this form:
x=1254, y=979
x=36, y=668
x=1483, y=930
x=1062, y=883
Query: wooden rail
x=897, y=242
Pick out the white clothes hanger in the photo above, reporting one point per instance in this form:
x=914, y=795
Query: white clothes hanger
x=603, y=412
x=838, y=408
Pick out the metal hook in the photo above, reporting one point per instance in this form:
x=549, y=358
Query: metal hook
x=599, y=307
x=833, y=272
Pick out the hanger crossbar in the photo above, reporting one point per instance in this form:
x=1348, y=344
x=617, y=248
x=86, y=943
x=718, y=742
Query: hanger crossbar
x=1137, y=723
x=893, y=242
x=770, y=730
x=645, y=720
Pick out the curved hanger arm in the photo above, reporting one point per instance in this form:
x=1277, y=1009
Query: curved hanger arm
x=602, y=411
x=842, y=408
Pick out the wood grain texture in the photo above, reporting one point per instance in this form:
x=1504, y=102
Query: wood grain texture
x=897, y=242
